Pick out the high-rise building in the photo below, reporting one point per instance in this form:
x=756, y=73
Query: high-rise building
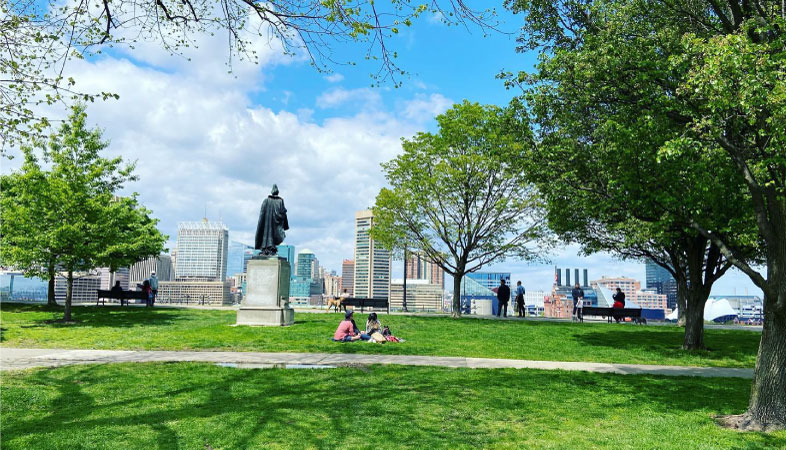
x=348, y=276
x=161, y=265
x=372, y=262
x=288, y=252
x=421, y=295
x=238, y=255
x=307, y=265
x=202, y=251
x=419, y=268
x=662, y=281
x=332, y=285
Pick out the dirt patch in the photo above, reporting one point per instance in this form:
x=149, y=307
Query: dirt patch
x=744, y=422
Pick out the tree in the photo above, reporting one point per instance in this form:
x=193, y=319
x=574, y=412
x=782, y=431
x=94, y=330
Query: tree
x=459, y=196
x=715, y=69
x=738, y=82
x=69, y=218
x=40, y=38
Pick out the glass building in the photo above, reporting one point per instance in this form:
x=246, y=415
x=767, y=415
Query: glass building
x=238, y=255
x=661, y=280
x=288, y=252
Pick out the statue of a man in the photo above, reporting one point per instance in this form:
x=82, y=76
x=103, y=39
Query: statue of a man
x=272, y=223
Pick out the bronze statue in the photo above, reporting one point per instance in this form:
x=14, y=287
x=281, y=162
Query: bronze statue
x=271, y=225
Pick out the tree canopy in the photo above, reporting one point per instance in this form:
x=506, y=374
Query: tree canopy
x=701, y=84
x=70, y=218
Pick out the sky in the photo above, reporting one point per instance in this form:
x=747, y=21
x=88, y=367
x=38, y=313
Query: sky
x=209, y=143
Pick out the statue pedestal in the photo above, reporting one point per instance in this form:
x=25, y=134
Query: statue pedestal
x=266, y=300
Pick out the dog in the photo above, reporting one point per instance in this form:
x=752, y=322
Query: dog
x=336, y=302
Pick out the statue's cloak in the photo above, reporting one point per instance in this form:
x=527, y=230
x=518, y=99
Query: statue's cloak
x=272, y=223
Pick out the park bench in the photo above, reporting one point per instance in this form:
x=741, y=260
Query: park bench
x=125, y=296
x=366, y=303
x=614, y=313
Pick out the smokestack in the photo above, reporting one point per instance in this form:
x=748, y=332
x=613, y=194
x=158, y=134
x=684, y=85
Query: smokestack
x=567, y=277
x=558, y=276
x=578, y=280
x=586, y=281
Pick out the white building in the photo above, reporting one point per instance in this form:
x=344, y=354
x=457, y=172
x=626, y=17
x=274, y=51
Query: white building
x=85, y=288
x=372, y=263
x=194, y=292
x=202, y=251
x=422, y=295
x=161, y=265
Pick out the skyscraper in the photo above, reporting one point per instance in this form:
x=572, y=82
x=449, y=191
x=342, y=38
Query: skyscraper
x=307, y=265
x=288, y=252
x=238, y=255
x=661, y=280
x=348, y=276
x=372, y=263
x=419, y=268
x=202, y=251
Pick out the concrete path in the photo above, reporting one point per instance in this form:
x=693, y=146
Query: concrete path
x=20, y=358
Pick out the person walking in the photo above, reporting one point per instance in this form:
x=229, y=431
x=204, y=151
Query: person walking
x=520, y=299
x=503, y=297
x=578, y=295
x=153, y=288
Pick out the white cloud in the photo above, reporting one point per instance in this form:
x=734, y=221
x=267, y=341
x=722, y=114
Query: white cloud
x=335, y=77
x=366, y=98
x=423, y=108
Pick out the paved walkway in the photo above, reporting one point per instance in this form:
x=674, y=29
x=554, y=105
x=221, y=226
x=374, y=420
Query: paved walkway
x=20, y=358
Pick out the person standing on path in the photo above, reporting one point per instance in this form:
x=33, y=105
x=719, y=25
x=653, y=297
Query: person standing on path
x=153, y=288
x=578, y=294
x=520, y=299
x=503, y=297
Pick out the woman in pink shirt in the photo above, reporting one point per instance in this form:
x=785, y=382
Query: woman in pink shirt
x=346, y=330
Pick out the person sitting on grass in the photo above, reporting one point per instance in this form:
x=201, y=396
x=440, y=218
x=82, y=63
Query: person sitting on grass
x=372, y=324
x=347, y=331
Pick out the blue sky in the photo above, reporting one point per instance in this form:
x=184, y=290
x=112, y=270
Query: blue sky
x=210, y=142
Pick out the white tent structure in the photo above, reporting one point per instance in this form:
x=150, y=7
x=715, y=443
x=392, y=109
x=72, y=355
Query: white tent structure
x=714, y=310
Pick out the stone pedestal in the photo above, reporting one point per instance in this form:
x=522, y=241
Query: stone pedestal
x=266, y=300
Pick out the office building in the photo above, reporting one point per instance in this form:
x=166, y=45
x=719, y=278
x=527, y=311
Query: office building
x=489, y=280
x=85, y=288
x=419, y=268
x=348, y=276
x=372, y=262
x=331, y=286
x=194, y=292
x=662, y=281
x=634, y=296
x=202, y=251
x=161, y=265
x=238, y=256
x=422, y=295
x=307, y=265
x=108, y=278
x=288, y=252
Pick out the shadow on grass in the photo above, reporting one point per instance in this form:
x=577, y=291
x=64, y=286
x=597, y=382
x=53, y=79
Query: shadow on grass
x=97, y=316
x=721, y=345
x=247, y=407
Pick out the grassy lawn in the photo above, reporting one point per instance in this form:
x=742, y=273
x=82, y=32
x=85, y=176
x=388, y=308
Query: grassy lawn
x=180, y=329
x=201, y=406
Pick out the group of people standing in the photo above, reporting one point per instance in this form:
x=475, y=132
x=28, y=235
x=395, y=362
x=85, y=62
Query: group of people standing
x=503, y=297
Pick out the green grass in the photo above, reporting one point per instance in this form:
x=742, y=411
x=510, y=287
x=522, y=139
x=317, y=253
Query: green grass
x=201, y=406
x=180, y=329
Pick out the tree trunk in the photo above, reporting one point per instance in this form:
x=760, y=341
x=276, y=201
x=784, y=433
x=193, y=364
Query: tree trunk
x=50, y=294
x=682, y=301
x=767, y=406
x=694, y=320
x=457, y=295
x=69, y=292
